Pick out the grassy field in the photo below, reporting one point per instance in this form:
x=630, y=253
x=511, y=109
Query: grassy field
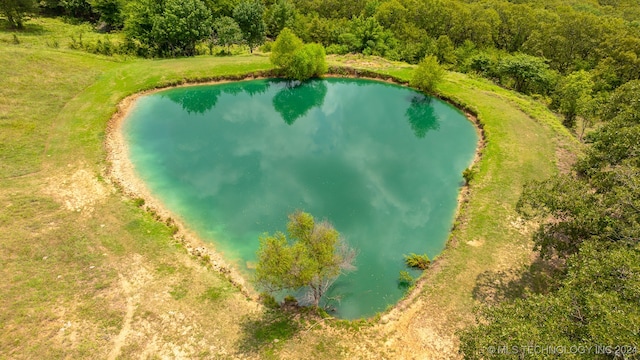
x=90, y=275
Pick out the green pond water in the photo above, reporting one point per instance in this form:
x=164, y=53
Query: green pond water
x=382, y=162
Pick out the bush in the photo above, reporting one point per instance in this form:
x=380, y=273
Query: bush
x=468, y=174
x=295, y=60
x=405, y=279
x=417, y=261
x=428, y=74
x=337, y=49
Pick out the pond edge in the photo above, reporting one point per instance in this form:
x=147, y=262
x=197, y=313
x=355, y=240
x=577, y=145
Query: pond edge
x=122, y=172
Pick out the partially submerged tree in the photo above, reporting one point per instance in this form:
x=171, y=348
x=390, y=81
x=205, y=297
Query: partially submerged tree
x=311, y=258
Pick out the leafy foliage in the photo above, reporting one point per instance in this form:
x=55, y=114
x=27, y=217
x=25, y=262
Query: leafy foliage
x=312, y=257
x=589, y=221
x=280, y=15
x=168, y=28
x=527, y=73
x=421, y=262
x=15, y=11
x=249, y=15
x=405, y=279
x=226, y=32
x=597, y=304
x=110, y=13
x=573, y=96
x=428, y=74
x=295, y=60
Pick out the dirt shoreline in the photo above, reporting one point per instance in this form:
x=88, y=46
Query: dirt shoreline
x=122, y=172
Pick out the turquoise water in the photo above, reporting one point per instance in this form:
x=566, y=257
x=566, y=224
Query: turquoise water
x=383, y=163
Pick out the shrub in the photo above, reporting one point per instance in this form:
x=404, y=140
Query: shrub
x=417, y=261
x=295, y=60
x=405, y=279
x=468, y=174
x=427, y=75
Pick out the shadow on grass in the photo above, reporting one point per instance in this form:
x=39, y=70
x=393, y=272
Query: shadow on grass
x=494, y=287
x=27, y=28
x=263, y=332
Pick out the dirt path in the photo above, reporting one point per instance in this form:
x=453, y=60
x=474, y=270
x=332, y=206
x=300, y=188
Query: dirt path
x=126, y=326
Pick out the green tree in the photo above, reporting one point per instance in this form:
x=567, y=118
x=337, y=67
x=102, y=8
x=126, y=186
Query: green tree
x=573, y=96
x=280, y=15
x=284, y=47
x=444, y=50
x=307, y=62
x=220, y=8
x=16, y=10
x=427, y=75
x=528, y=73
x=249, y=15
x=167, y=28
x=597, y=303
x=79, y=9
x=311, y=257
x=110, y=13
x=366, y=36
x=226, y=32
x=181, y=25
x=295, y=60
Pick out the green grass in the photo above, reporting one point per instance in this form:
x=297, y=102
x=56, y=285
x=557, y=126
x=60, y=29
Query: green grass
x=71, y=275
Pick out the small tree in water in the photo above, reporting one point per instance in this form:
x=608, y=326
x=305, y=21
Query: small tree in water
x=312, y=257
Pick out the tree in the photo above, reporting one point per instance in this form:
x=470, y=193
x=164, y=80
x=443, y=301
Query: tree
x=444, y=50
x=295, y=60
x=283, y=48
x=282, y=14
x=307, y=62
x=312, y=257
x=168, y=28
x=249, y=16
x=182, y=25
x=427, y=75
x=528, y=73
x=79, y=9
x=15, y=11
x=573, y=95
x=597, y=303
x=110, y=12
x=226, y=32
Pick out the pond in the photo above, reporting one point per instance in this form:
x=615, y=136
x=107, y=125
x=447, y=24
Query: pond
x=382, y=162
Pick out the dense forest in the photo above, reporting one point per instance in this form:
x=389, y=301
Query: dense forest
x=580, y=57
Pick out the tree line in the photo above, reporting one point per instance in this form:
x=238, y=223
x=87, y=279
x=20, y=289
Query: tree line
x=571, y=53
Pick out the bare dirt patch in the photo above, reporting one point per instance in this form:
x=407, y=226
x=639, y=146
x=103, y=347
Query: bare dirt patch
x=81, y=191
